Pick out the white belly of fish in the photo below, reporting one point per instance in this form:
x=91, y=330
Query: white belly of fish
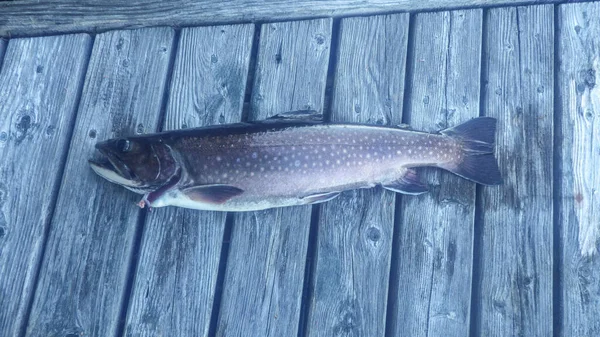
x=179, y=199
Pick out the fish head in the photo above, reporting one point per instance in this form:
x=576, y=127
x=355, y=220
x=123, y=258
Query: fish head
x=138, y=164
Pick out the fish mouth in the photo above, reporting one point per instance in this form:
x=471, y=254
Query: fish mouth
x=112, y=169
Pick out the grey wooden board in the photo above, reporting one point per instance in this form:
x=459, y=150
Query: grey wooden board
x=39, y=84
x=354, y=243
x=20, y=18
x=515, y=295
x=181, y=248
x=86, y=263
x=435, y=230
x=578, y=147
x=265, y=267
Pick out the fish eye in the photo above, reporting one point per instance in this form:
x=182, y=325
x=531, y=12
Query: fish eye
x=124, y=145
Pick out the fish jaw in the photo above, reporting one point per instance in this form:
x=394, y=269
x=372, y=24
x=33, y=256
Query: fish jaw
x=108, y=172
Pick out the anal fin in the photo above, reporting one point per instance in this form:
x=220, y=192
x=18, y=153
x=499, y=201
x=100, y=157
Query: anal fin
x=319, y=197
x=212, y=194
x=408, y=184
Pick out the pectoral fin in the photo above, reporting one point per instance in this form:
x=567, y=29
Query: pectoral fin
x=212, y=194
x=408, y=184
x=319, y=197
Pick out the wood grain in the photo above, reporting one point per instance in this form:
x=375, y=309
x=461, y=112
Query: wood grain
x=515, y=295
x=27, y=18
x=435, y=230
x=578, y=146
x=86, y=263
x=355, y=230
x=180, y=249
x=265, y=268
x=39, y=85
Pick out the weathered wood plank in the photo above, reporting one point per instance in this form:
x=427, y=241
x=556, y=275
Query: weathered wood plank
x=436, y=229
x=265, y=268
x=515, y=295
x=578, y=136
x=27, y=18
x=39, y=86
x=180, y=248
x=355, y=230
x=86, y=264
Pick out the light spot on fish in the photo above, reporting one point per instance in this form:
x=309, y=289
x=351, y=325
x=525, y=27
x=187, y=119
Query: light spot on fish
x=218, y=158
x=254, y=155
x=297, y=163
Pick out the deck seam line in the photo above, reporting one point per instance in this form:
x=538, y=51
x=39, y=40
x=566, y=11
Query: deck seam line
x=394, y=275
x=475, y=307
x=557, y=302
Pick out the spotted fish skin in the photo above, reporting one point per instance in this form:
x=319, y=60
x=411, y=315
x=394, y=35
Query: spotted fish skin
x=257, y=166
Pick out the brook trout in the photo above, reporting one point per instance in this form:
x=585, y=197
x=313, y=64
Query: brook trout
x=287, y=161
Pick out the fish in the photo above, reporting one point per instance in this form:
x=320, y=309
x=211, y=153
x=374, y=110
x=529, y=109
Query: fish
x=291, y=159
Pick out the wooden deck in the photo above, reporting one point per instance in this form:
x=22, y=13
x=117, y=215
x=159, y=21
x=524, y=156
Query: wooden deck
x=78, y=258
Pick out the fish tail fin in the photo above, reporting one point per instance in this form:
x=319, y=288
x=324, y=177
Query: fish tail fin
x=477, y=162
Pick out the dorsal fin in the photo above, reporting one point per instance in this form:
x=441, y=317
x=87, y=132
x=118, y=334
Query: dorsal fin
x=300, y=116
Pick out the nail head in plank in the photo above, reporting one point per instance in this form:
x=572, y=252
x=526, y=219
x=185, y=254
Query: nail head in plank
x=265, y=268
x=435, y=231
x=355, y=230
x=39, y=86
x=85, y=266
x=20, y=18
x=578, y=136
x=516, y=263
x=180, y=248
